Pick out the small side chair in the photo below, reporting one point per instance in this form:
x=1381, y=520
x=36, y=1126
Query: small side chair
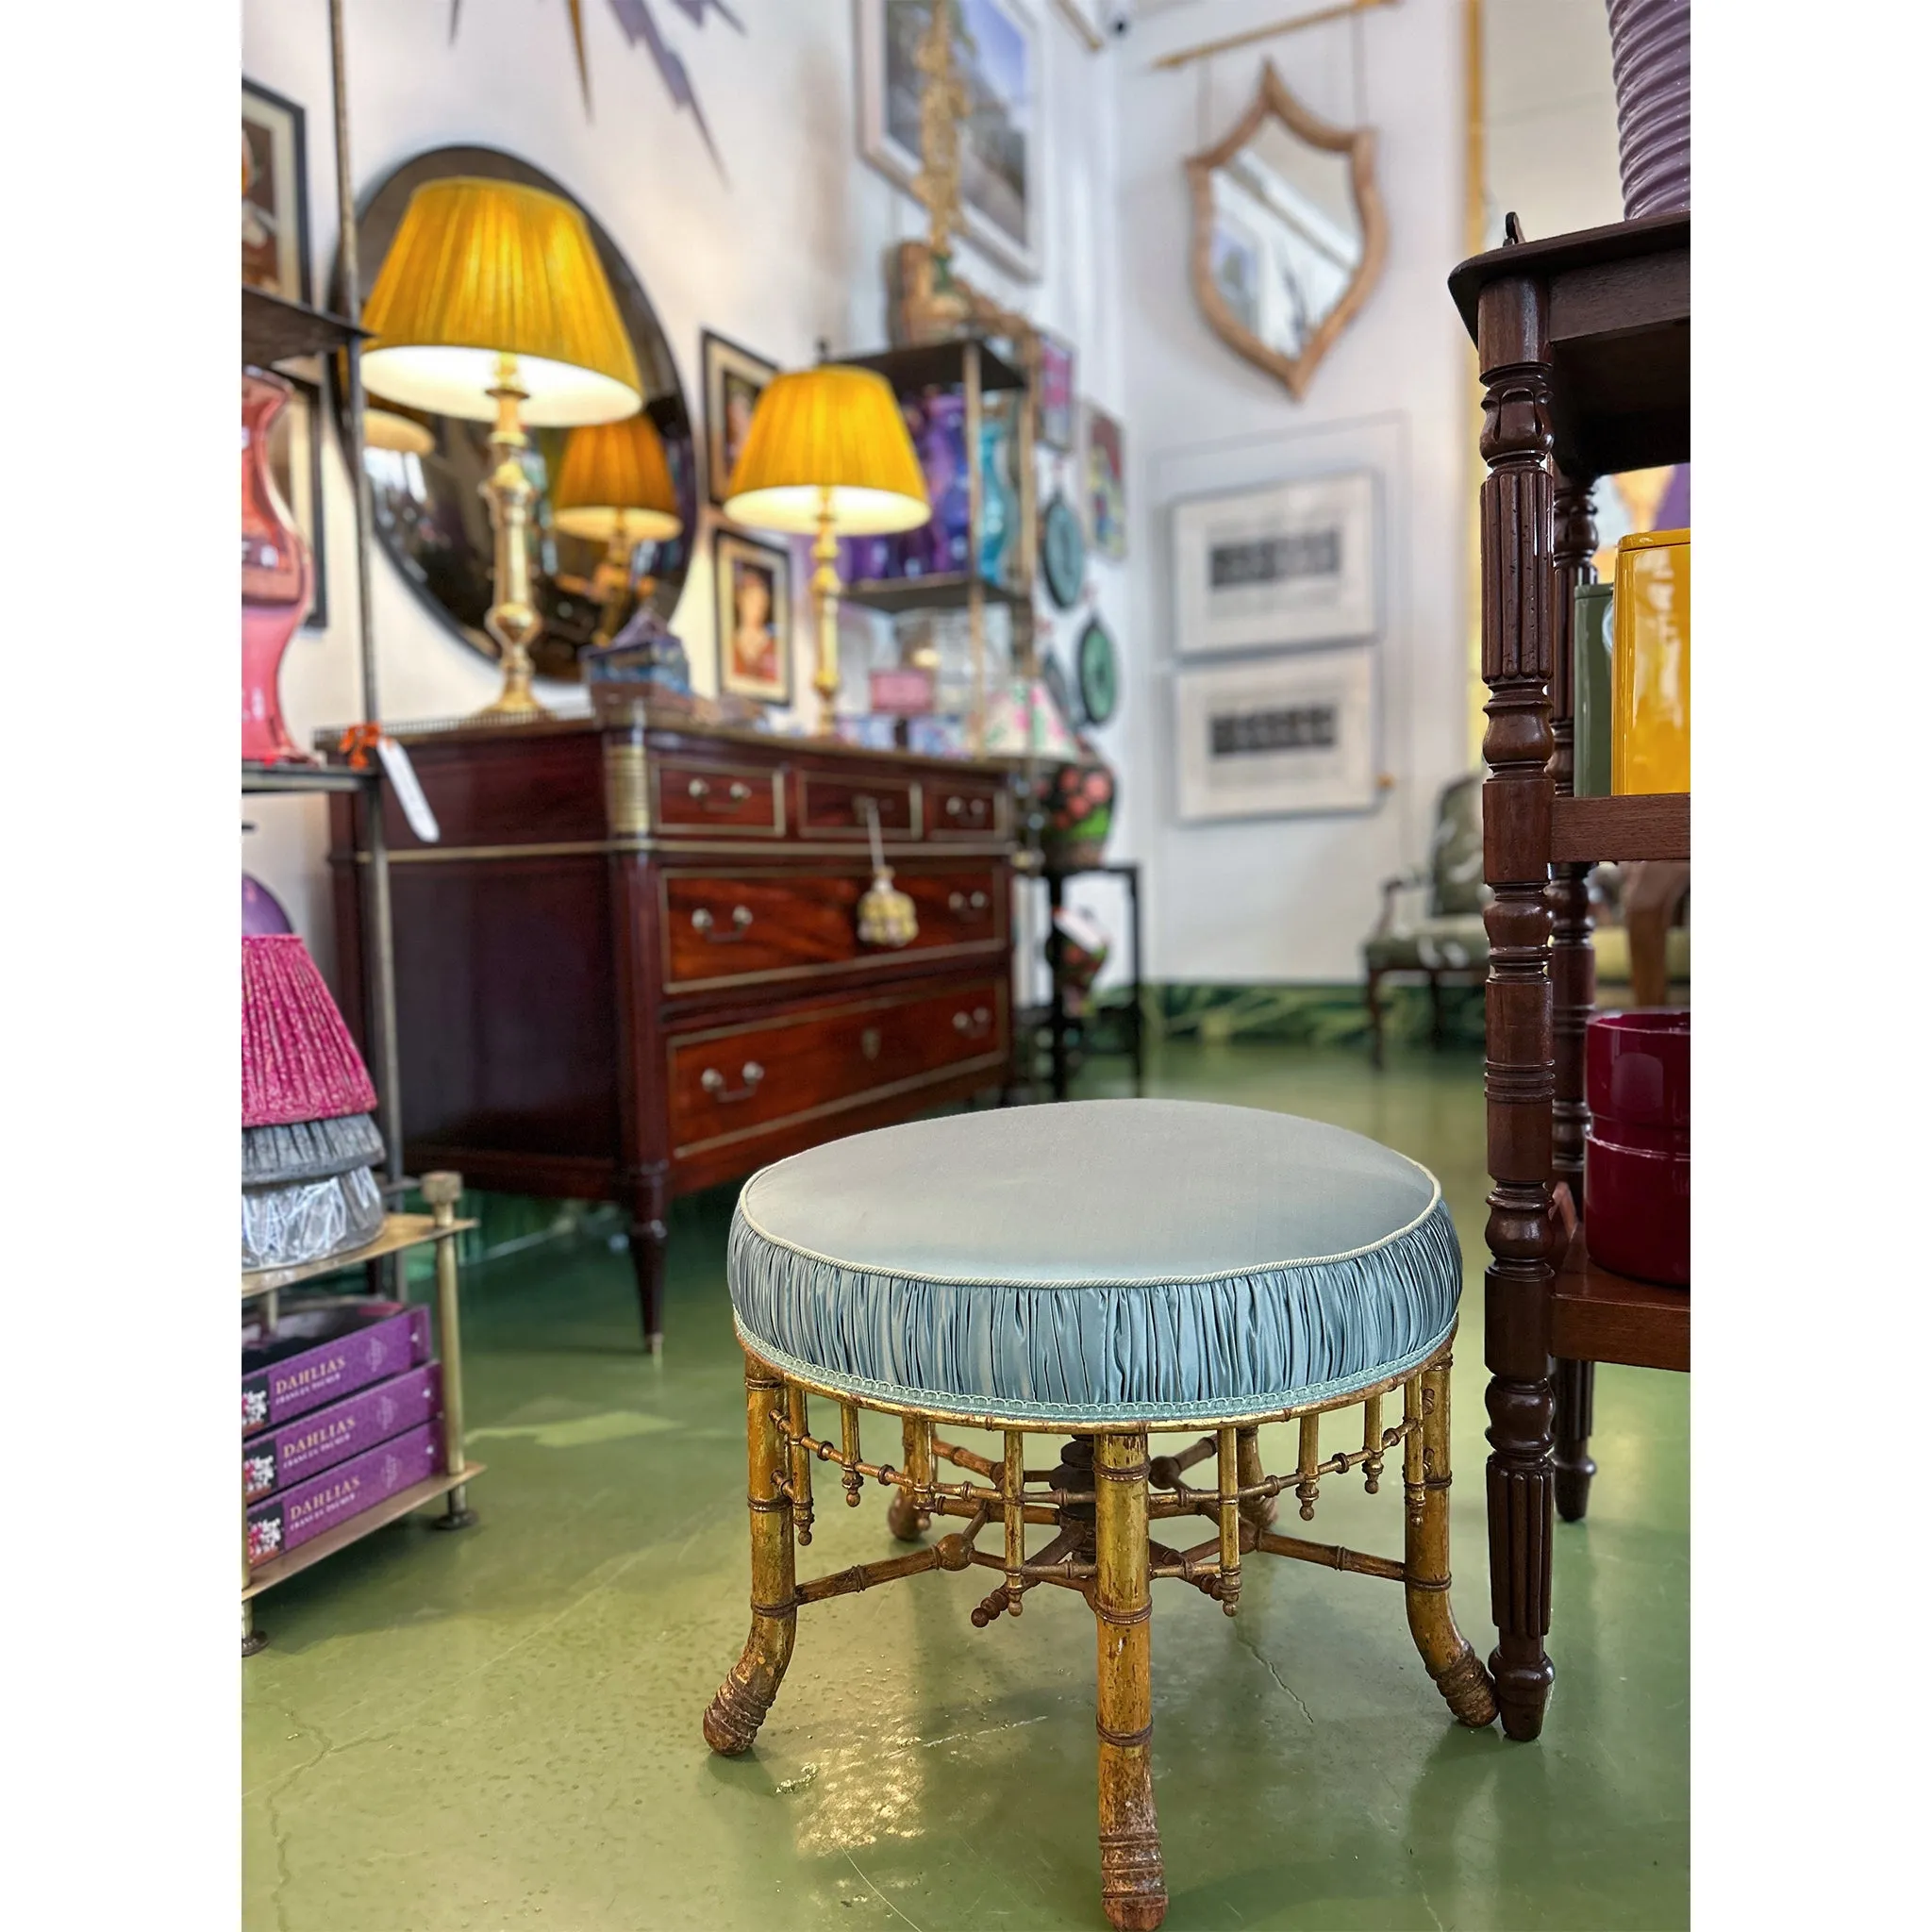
x=1447, y=945
x=1096, y=1272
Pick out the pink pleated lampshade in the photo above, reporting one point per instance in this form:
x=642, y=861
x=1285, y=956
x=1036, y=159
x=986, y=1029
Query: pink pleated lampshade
x=298, y=1062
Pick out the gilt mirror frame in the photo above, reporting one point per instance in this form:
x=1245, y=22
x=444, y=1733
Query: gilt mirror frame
x=1274, y=98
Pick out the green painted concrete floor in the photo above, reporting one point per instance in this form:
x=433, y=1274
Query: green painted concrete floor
x=500, y=1728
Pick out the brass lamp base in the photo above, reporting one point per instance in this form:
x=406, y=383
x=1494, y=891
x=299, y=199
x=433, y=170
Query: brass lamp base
x=824, y=594
x=513, y=621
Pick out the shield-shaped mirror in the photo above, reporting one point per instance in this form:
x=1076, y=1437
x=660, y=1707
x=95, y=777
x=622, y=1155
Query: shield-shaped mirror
x=1288, y=232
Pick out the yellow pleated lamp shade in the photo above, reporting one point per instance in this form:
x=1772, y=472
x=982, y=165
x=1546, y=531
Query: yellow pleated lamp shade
x=483, y=269
x=829, y=436
x=616, y=472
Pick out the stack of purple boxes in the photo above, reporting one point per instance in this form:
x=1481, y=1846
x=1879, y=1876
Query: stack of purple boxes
x=342, y=1408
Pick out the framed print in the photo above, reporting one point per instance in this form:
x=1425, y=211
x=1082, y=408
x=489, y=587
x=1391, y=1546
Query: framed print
x=1290, y=564
x=997, y=57
x=1276, y=737
x=1106, y=485
x=294, y=459
x=275, y=195
x=1058, y=420
x=734, y=381
x=753, y=590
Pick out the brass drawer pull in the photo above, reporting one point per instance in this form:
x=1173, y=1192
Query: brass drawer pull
x=699, y=791
x=712, y=1081
x=974, y=808
x=974, y=1025
x=962, y=903
x=703, y=920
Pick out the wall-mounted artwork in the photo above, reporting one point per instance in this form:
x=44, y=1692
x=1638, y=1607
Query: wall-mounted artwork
x=1292, y=564
x=1277, y=736
x=734, y=381
x=1058, y=418
x=997, y=54
x=1106, y=484
x=754, y=588
x=275, y=195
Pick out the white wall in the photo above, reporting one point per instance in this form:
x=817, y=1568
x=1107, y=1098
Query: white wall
x=1291, y=899
x=787, y=249
x=1548, y=116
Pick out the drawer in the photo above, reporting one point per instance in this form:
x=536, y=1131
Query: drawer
x=731, y=926
x=729, y=1083
x=969, y=809
x=696, y=794
x=835, y=807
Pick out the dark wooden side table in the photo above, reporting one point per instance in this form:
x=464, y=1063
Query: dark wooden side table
x=1129, y=871
x=1584, y=348
x=631, y=967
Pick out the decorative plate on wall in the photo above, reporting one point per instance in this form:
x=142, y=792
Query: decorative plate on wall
x=1062, y=552
x=1100, y=687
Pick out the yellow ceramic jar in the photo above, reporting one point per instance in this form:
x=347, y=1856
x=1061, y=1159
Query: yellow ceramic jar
x=1650, y=717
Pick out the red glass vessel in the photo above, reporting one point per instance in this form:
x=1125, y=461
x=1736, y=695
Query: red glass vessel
x=1636, y=1152
x=277, y=577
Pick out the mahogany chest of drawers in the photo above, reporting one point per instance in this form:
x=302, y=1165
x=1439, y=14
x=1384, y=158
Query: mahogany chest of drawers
x=631, y=966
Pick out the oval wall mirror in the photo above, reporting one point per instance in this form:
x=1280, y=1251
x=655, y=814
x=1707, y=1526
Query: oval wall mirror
x=426, y=472
x=1288, y=233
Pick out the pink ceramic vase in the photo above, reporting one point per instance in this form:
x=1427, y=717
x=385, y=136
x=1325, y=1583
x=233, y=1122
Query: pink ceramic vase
x=277, y=577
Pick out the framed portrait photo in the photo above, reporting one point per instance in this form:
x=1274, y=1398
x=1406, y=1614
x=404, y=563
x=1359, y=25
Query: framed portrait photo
x=1277, y=737
x=1058, y=421
x=275, y=195
x=294, y=461
x=1288, y=565
x=753, y=590
x=997, y=53
x=734, y=381
x=1106, y=484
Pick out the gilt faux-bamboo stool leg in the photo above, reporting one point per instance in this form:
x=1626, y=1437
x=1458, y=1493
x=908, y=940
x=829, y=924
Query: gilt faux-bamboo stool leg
x=1131, y=1888
x=746, y=1695
x=846, y=1288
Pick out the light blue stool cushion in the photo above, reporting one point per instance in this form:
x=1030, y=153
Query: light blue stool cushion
x=1095, y=1260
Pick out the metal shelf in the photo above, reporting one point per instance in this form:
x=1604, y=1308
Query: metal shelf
x=399, y=1232
x=266, y=1575
x=940, y=591
x=296, y=778
x=274, y=330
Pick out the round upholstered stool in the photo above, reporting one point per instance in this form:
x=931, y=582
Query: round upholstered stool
x=1097, y=1270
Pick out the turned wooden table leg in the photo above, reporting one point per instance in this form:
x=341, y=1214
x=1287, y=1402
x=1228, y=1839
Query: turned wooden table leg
x=745, y=1697
x=1131, y=1887
x=1572, y=963
x=1519, y=588
x=1575, y=1417
x=1463, y=1682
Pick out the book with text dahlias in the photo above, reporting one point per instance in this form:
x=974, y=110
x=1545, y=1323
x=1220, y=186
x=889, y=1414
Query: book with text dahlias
x=326, y=1350
x=278, y=1459
x=286, y=1521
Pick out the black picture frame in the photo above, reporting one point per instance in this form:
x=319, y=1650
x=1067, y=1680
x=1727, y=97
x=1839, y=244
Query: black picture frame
x=277, y=109
x=729, y=549
x=722, y=360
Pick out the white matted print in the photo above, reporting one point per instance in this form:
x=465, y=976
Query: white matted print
x=1270, y=568
x=997, y=54
x=1277, y=736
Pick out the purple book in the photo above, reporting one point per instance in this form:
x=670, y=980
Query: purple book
x=323, y=1351
x=285, y=1522
x=278, y=1458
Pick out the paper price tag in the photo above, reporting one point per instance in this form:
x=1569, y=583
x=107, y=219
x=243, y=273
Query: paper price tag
x=402, y=774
